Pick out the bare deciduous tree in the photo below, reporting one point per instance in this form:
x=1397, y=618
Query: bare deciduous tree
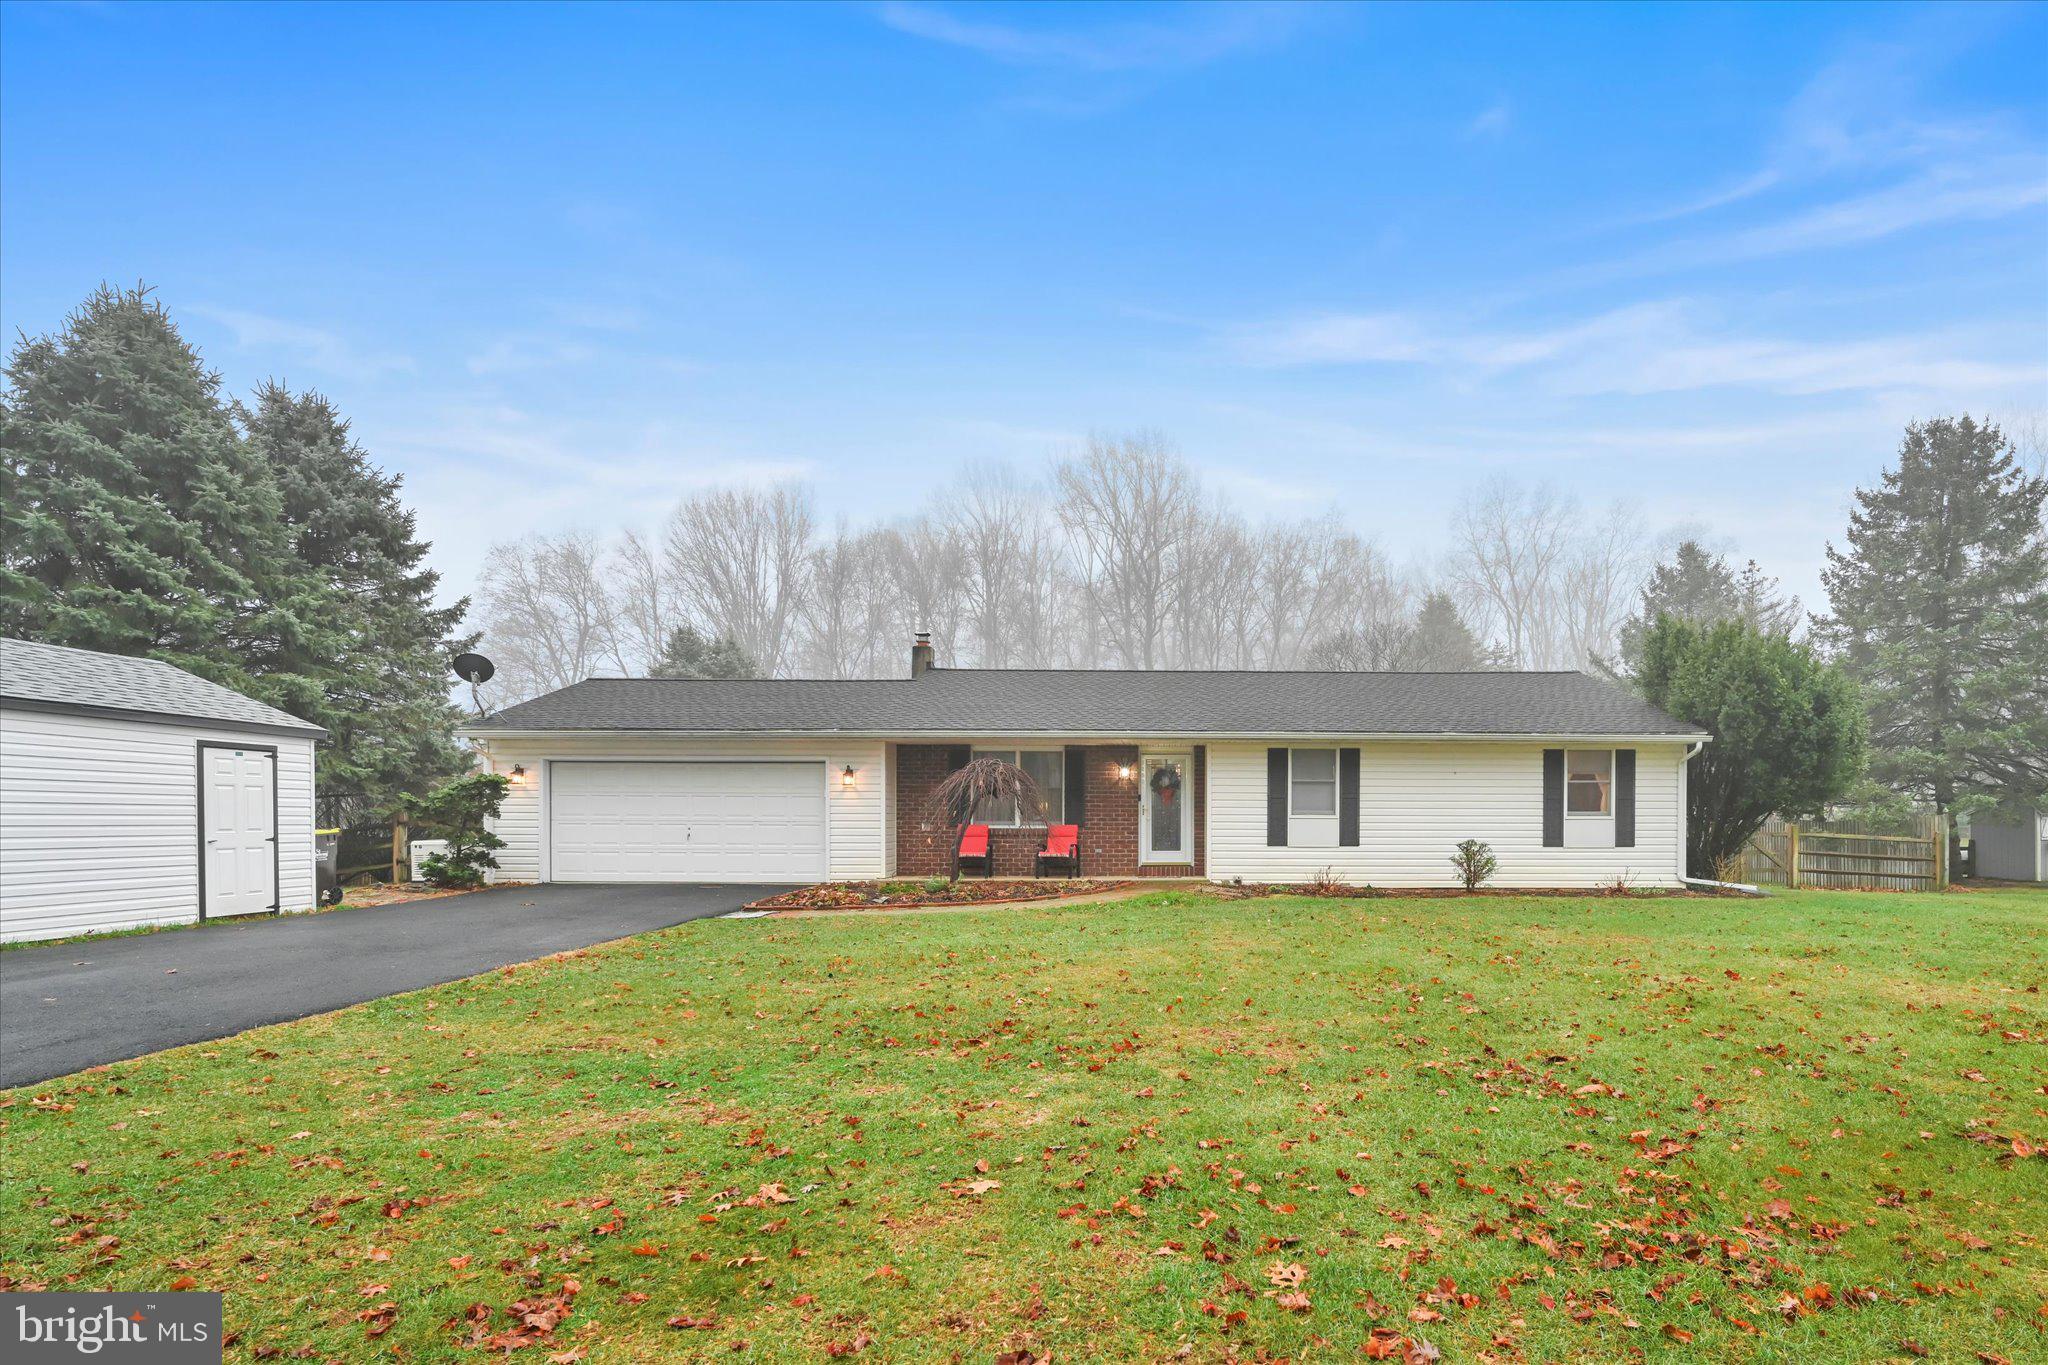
x=925, y=565
x=1131, y=507
x=547, y=615
x=997, y=521
x=740, y=560
x=850, y=615
x=645, y=604
x=1598, y=581
x=1509, y=544
x=1122, y=562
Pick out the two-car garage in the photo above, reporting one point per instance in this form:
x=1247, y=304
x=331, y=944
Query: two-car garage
x=686, y=821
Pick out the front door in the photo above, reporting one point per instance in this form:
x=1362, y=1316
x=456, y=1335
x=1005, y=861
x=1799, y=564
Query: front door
x=1166, y=823
x=238, y=830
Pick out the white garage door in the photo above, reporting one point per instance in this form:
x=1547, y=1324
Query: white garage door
x=686, y=822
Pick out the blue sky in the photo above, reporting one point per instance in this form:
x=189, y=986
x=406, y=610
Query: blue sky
x=564, y=265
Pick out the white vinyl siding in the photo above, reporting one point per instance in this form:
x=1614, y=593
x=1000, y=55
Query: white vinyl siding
x=1418, y=799
x=855, y=817
x=99, y=822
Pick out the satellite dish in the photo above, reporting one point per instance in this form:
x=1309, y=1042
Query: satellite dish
x=475, y=670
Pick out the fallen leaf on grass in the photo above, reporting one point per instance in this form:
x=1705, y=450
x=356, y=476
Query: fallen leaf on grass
x=379, y=1318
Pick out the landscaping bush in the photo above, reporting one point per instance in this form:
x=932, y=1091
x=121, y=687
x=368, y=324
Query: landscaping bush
x=1474, y=863
x=457, y=811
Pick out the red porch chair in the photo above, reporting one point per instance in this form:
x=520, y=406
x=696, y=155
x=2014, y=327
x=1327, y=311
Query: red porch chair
x=1062, y=845
x=974, y=848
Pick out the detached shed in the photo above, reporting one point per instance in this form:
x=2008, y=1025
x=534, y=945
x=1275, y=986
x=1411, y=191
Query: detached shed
x=2011, y=844
x=133, y=793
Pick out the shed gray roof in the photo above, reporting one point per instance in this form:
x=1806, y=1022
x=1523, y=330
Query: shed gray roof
x=56, y=678
x=967, y=701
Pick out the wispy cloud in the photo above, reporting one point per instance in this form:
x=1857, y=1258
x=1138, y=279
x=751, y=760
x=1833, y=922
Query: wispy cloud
x=1492, y=121
x=1646, y=348
x=1239, y=486
x=1193, y=36
x=1855, y=143
x=317, y=347
x=649, y=459
x=511, y=354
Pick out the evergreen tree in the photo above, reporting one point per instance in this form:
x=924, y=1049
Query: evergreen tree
x=690, y=655
x=1940, y=604
x=1441, y=642
x=383, y=670
x=1700, y=587
x=136, y=520
x=1789, y=729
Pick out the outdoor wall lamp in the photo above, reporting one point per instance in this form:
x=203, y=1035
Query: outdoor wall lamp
x=518, y=773
x=1123, y=772
x=846, y=778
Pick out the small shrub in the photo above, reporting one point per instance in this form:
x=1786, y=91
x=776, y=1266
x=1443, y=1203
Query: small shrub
x=458, y=811
x=436, y=870
x=1474, y=863
x=934, y=886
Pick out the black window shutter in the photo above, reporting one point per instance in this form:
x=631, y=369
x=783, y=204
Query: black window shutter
x=1553, y=798
x=1077, y=785
x=956, y=758
x=1347, y=798
x=1276, y=798
x=1624, y=798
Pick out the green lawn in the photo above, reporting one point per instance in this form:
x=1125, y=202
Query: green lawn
x=1519, y=1129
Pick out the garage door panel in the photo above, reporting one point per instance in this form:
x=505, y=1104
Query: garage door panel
x=684, y=822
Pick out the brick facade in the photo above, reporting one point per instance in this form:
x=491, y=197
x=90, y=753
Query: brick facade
x=1109, y=823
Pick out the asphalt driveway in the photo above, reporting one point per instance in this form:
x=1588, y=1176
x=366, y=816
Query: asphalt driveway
x=67, y=1007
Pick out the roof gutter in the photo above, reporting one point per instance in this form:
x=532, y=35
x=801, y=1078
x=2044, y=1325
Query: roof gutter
x=936, y=736
x=298, y=729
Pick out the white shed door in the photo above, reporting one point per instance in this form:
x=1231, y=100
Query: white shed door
x=238, y=820
x=686, y=822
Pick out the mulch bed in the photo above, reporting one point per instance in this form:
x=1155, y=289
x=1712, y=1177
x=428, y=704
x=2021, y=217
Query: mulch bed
x=900, y=894
x=391, y=893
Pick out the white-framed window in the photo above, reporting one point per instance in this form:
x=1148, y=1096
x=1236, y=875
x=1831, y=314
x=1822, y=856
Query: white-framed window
x=1046, y=767
x=1312, y=782
x=1589, y=782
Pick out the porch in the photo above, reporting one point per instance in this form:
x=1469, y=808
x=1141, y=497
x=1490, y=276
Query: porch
x=1141, y=807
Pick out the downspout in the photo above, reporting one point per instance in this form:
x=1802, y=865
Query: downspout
x=1743, y=887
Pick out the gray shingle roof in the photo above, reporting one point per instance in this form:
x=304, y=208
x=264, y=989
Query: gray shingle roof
x=965, y=701
x=56, y=677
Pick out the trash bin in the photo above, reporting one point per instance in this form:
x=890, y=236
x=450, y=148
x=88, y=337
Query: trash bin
x=327, y=866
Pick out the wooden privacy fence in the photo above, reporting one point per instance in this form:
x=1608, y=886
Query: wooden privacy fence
x=1850, y=855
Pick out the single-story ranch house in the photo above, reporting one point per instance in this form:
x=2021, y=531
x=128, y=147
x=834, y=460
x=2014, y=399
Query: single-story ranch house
x=133, y=793
x=1269, y=777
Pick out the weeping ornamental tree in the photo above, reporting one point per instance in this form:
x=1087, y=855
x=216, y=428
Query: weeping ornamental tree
x=982, y=785
x=1789, y=729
